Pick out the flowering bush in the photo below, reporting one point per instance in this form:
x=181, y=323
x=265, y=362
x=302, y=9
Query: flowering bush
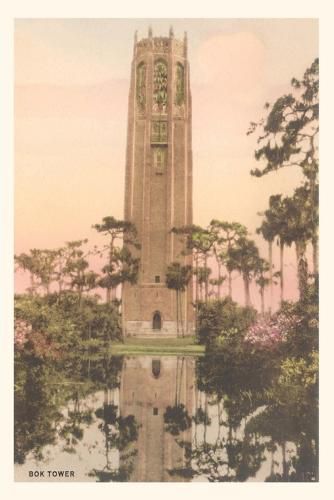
x=21, y=332
x=270, y=332
x=38, y=343
x=43, y=346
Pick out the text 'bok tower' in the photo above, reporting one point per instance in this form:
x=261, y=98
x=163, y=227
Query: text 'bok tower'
x=158, y=182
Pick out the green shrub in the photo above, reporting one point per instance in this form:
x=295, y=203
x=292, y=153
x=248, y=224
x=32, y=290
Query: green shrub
x=223, y=321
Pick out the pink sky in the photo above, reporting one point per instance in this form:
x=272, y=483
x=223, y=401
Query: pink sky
x=72, y=82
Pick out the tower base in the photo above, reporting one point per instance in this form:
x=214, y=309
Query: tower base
x=144, y=329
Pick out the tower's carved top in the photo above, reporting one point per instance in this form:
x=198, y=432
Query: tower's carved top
x=161, y=44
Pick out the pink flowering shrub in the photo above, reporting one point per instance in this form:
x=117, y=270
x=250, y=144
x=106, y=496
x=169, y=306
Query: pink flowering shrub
x=270, y=332
x=39, y=343
x=43, y=346
x=21, y=333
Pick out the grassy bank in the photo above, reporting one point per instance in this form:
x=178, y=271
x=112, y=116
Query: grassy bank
x=175, y=346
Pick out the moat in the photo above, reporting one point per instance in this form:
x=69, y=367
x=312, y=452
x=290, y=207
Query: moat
x=158, y=418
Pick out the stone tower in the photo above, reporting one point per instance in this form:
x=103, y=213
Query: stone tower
x=158, y=182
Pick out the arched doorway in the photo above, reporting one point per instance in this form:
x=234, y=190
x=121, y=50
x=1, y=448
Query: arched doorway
x=156, y=367
x=157, y=321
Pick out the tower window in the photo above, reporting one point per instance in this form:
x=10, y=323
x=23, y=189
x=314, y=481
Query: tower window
x=160, y=77
x=159, y=159
x=155, y=411
x=140, y=86
x=159, y=132
x=157, y=279
x=156, y=367
x=156, y=321
x=179, y=85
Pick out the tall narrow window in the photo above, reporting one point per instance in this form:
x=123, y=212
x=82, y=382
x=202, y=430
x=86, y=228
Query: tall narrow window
x=157, y=321
x=179, y=85
x=159, y=132
x=160, y=87
x=141, y=86
x=159, y=159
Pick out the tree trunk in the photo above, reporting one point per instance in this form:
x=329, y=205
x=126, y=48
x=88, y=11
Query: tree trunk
x=315, y=255
x=262, y=300
x=60, y=282
x=181, y=314
x=80, y=296
x=206, y=280
x=197, y=284
x=180, y=380
x=195, y=414
x=284, y=463
x=229, y=284
x=272, y=463
x=246, y=287
x=270, y=251
x=196, y=293
x=177, y=313
x=219, y=278
x=111, y=251
x=205, y=416
x=281, y=253
x=177, y=381
x=32, y=284
x=313, y=204
x=302, y=268
x=219, y=420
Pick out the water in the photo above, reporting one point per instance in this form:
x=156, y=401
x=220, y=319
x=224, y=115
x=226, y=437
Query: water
x=168, y=418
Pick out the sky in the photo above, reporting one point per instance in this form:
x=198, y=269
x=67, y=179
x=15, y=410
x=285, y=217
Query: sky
x=71, y=91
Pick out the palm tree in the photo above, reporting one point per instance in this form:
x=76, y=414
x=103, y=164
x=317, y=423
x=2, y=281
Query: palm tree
x=267, y=230
x=244, y=258
x=278, y=218
x=225, y=236
x=276, y=225
x=262, y=281
x=116, y=230
x=302, y=227
x=27, y=263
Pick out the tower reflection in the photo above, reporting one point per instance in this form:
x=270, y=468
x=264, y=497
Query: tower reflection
x=159, y=392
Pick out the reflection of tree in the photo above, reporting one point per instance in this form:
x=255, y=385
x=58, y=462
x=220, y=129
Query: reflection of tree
x=227, y=379
x=235, y=457
x=36, y=409
x=119, y=432
x=285, y=425
x=72, y=430
x=266, y=406
x=176, y=419
x=43, y=387
x=105, y=475
x=107, y=371
x=227, y=460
